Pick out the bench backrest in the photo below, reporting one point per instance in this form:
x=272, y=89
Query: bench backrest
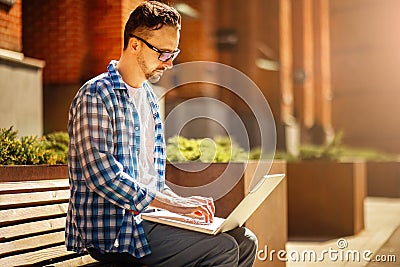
x=32, y=223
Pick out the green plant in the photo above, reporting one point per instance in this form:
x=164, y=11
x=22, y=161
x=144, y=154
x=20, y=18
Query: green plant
x=58, y=143
x=8, y=146
x=283, y=155
x=255, y=153
x=367, y=154
x=219, y=149
x=334, y=151
x=31, y=150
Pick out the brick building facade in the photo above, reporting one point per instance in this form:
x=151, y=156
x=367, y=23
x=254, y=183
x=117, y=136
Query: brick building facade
x=76, y=38
x=11, y=26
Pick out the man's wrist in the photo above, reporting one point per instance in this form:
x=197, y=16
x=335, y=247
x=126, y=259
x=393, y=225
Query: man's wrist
x=169, y=192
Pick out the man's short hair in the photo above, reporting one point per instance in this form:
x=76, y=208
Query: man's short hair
x=150, y=16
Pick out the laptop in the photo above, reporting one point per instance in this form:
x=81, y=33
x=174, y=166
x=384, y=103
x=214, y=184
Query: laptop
x=236, y=218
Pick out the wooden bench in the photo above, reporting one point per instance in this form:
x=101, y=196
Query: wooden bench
x=32, y=224
x=33, y=207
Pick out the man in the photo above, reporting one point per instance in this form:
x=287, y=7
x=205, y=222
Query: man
x=117, y=161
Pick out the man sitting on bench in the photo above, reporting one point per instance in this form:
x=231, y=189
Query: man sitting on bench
x=117, y=161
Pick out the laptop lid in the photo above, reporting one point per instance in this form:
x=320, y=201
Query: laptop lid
x=251, y=202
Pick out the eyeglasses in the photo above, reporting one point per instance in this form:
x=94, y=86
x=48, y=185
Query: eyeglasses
x=163, y=56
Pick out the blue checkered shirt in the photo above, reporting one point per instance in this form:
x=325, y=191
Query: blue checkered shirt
x=104, y=136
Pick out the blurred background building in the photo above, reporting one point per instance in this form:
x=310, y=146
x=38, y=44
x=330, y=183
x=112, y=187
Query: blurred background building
x=323, y=65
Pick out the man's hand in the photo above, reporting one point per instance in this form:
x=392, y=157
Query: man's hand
x=209, y=202
x=196, y=206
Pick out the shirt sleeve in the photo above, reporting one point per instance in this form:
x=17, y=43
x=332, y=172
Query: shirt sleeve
x=93, y=132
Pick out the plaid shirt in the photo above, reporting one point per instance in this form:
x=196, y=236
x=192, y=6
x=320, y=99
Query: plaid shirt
x=104, y=135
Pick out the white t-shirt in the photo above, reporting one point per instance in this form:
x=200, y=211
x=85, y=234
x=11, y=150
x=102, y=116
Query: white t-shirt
x=147, y=172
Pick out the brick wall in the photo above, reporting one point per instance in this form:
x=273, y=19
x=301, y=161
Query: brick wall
x=127, y=6
x=11, y=27
x=105, y=30
x=77, y=39
x=55, y=31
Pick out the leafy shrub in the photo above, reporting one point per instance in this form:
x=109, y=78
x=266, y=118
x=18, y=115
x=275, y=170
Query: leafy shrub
x=32, y=150
x=283, y=155
x=219, y=149
x=334, y=151
x=58, y=143
x=367, y=154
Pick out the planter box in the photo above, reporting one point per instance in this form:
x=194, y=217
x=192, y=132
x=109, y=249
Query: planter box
x=383, y=179
x=17, y=173
x=269, y=222
x=326, y=199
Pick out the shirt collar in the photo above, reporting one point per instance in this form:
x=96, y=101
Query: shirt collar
x=116, y=78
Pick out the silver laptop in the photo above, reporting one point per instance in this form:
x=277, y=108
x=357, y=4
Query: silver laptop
x=236, y=218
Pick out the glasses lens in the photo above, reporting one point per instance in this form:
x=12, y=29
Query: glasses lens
x=165, y=56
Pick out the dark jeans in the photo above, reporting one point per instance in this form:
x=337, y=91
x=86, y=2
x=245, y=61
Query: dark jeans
x=117, y=259
x=174, y=247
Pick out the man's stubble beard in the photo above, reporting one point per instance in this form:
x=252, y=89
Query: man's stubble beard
x=152, y=76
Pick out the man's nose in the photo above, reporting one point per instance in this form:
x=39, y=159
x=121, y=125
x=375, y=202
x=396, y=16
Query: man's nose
x=168, y=64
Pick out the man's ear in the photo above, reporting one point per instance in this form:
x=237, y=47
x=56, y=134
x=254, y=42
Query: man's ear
x=133, y=44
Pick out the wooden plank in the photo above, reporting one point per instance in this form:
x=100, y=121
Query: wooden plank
x=30, y=243
x=13, y=216
x=31, y=199
x=48, y=254
x=19, y=230
x=75, y=262
x=33, y=186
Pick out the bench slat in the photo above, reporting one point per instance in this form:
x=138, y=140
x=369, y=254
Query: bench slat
x=30, y=243
x=32, y=223
x=32, y=186
x=48, y=254
x=31, y=199
x=37, y=228
x=75, y=262
x=19, y=215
